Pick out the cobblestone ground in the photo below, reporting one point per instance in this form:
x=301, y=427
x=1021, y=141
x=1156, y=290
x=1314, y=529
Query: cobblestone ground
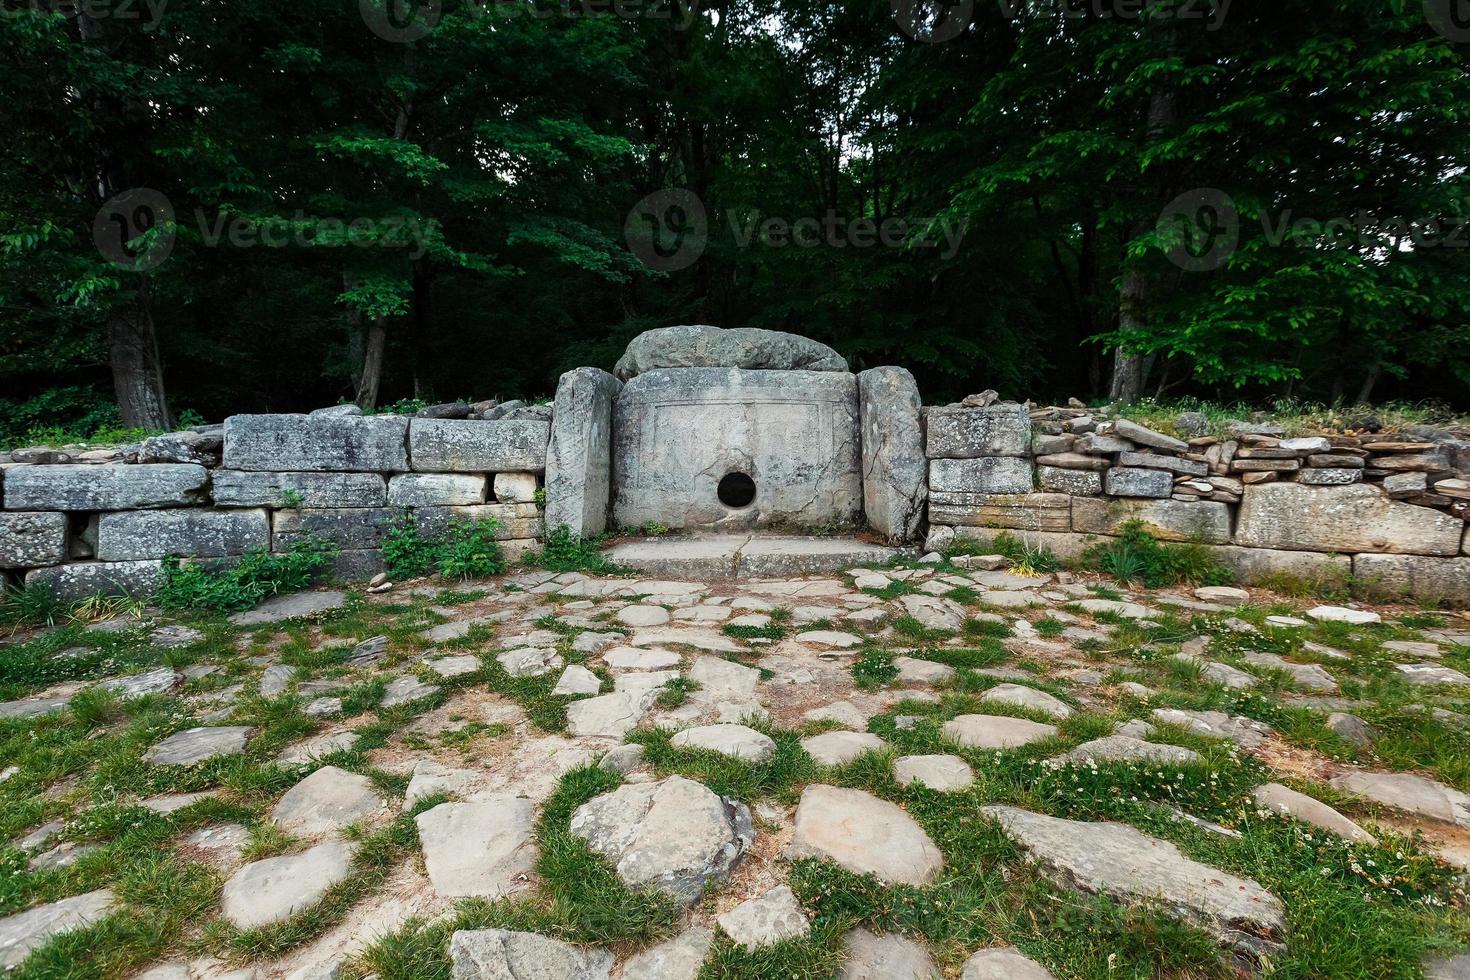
x=916, y=771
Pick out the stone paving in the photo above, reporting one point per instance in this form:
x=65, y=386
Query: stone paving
x=336, y=774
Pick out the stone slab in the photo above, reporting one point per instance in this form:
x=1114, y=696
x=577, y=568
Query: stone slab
x=245, y=488
x=865, y=835
x=483, y=849
x=119, y=487
x=26, y=931
x=727, y=556
x=674, y=835
x=1347, y=520
x=470, y=446
x=317, y=443
x=497, y=954
x=954, y=432
x=678, y=433
x=1130, y=482
x=266, y=892
x=31, y=539
x=81, y=580
x=1417, y=576
x=705, y=346
x=981, y=475
x=579, y=455
x=184, y=533
x=437, y=489
x=349, y=528
x=894, y=466
x=1130, y=867
x=1015, y=511
x=1169, y=520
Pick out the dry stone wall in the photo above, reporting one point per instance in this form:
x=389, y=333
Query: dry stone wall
x=264, y=482
x=1387, y=515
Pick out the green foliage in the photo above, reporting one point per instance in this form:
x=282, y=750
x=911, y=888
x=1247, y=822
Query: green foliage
x=562, y=551
x=243, y=584
x=872, y=669
x=32, y=605
x=676, y=691
x=1027, y=558
x=1137, y=556
x=466, y=549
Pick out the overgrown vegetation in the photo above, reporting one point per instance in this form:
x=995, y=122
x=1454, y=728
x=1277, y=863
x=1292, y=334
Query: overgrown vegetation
x=236, y=585
x=463, y=549
x=1136, y=556
x=563, y=551
x=1026, y=557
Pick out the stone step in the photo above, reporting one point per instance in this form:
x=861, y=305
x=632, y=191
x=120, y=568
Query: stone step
x=724, y=556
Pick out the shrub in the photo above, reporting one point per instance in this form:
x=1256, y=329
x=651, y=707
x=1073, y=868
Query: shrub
x=562, y=551
x=466, y=549
x=1137, y=556
x=257, y=576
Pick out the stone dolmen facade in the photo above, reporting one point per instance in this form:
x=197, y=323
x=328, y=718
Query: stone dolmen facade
x=706, y=430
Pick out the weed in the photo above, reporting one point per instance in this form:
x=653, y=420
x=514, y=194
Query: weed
x=466, y=549
x=873, y=669
x=1137, y=556
x=257, y=576
x=563, y=551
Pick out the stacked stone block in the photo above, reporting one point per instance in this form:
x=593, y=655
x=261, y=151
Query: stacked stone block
x=1265, y=505
x=82, y=527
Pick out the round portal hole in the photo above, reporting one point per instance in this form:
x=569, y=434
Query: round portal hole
x=736, y=490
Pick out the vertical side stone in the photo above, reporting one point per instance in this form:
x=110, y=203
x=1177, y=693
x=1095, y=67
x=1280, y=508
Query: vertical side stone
x=895, y=470
x=579, y=458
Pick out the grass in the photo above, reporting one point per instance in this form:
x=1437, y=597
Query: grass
x=1136, y=556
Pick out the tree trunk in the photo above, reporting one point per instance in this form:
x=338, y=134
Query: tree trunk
x=375, y=341
x=1128, y=365
x=136, y=372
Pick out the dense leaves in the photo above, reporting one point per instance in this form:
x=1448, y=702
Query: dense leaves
x=1252, y=200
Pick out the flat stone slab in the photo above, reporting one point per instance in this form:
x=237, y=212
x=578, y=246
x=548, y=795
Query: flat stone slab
x=634, y=658
x=1003, y=963
x=317, y=443
x=1124, y=748
x=942, y=773
x=497, y=954
x=530, y=661
x=577, y=680
x=719, y=678
x=1409, y=793
x=1430, y=675
x=674, y=835
x=844, y=713
x=995, y=731
x=29, y=930
x=1216, y=724
x=766, y=919
x=735, y=741
x=865, y=835
x=483, y=849
x=727, y=556
x=1022, y=696
x=678, y=959
x=840, y=748
x=608, y=715
x=1284, y=801
x=273, y=890
x=914, y=670
x=283, y=607
x=195, y=745
x=70, y=487
x=1129, y=867
x=406, y=689
x=890, y=957
x=326, y=801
